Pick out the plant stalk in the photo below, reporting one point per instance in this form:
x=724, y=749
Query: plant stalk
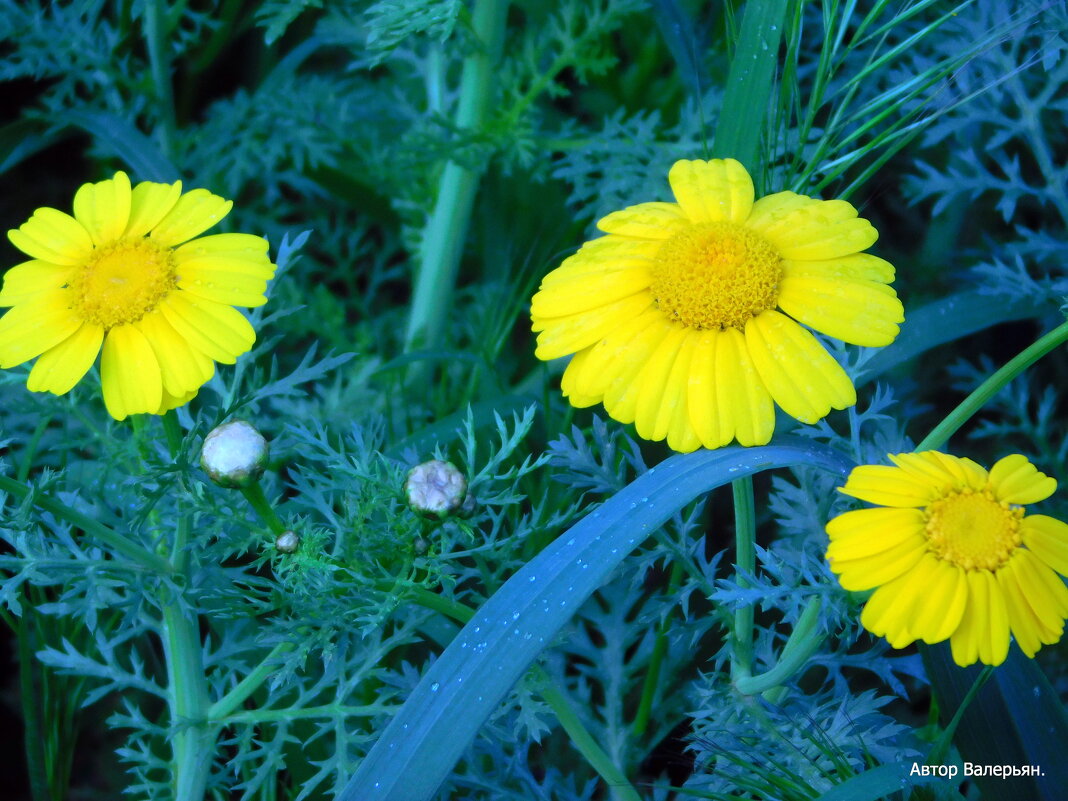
x=447, y=228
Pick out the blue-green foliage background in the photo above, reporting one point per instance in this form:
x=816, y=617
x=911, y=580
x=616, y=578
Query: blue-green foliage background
x=337, y=119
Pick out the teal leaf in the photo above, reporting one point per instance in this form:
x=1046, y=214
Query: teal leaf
x=474, y=674
x=1016, y=719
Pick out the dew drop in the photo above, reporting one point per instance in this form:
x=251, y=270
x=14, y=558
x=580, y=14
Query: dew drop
x=434, y=687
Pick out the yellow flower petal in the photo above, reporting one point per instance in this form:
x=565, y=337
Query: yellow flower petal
x=183, y=368
x=968, y=473
x=605, y=358
x=570, y=381
x=856, y=267
x=645, y=221
x=652, y=384
x=194, y=213
x=149, y=203
x=604, y=255
x=894, y=611
x=799, y=373
x=804, y=228
x=129, y=374
x=621, y=394
x=926, y=468
x=58, y=369
x=673, y=417
x=866, y=572
x=940, y=603
x=1047, y=537
x=1030, y=629
x=864, y=533
x=27, y=279
x=50, y=235
x=221, y=286
x=104, y=208
x=711, y=191
x=220, y=332
x=983, y=633
x=861, y=313
x=889, y=486
x=174, y=401
x=588, y=291
x=1016, y=480
x=563, y=335
x=34, y=326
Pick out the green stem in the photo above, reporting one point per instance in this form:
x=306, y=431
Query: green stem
x=618, y=785
x=447, y=229
x=994, y=384
x=740, y=129
x=226, y=705
x=31, y=449
x=172, y=431
x=802, y=643
x=941, y=749
x=745, y=561
x=160, y=66
x=258, y=501
x=192, y=741
x=132, y=551
x=304, y=712
x=656, y=660
x=583, y=741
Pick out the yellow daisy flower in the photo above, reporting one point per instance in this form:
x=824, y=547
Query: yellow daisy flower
x=684, y=319
x=953, y=555
x=125, y=275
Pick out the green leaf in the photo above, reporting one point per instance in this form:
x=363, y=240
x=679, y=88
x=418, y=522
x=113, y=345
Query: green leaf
x=878, y=783
x=126, y=143
x=459, y=691
x=1016, y=720
x=740, y=125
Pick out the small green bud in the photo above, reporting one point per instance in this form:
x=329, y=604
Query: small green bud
x=234, y=454
x=287, y=542
x=435, y=488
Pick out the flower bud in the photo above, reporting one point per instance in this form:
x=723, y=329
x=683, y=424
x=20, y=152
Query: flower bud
x=435, y=488
x=287, y=542
x=234, y=454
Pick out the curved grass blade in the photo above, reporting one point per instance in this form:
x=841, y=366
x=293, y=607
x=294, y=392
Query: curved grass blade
x=459, y=691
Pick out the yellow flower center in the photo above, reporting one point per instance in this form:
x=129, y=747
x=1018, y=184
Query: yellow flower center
x=716, y=275
x=122, y=282
x=973, y=530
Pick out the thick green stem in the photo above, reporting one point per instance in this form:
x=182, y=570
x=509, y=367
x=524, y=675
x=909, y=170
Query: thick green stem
x=193, y=741
x=447, y=229
x=803, y=642
x=745, y=561
x=160, y=66
x=994, y=384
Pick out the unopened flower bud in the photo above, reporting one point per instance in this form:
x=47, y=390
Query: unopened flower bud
x=435, y=487
x=287, y=542
x=234, y=454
